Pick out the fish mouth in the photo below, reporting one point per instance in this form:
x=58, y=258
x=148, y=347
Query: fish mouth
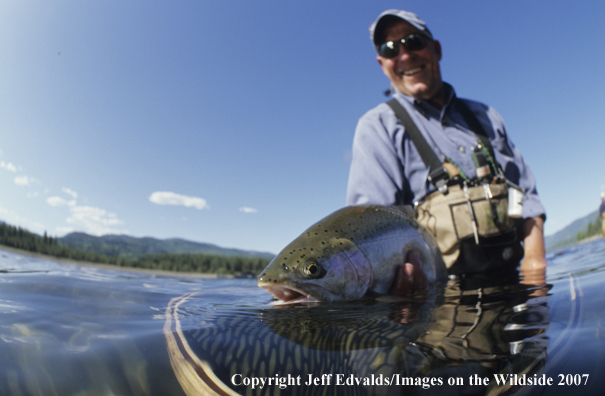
x=289, y=295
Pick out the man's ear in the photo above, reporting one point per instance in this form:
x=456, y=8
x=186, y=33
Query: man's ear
x=381, y=63
x=437, y=48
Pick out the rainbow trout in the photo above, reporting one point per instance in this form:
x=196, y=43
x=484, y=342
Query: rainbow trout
x=353, y=252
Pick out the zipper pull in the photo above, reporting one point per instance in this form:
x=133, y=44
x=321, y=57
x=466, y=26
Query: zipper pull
x=488, y=192
x=470, y=212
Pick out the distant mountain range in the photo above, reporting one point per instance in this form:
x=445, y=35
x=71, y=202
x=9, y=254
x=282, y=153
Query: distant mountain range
x=567, y=236
x=131, y=247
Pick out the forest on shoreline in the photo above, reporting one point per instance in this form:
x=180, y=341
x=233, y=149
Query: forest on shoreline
x=19, y=238
x=203, y=263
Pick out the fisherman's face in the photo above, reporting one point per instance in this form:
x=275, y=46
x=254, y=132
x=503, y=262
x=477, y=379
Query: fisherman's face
x=413, y=73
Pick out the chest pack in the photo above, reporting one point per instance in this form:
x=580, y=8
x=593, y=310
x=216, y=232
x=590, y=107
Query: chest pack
x=473, y=221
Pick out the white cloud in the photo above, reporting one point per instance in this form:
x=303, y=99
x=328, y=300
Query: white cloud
x=58, y=201
x=32, y=194
x=25, y=180
x=70, y=192
x=8, y=166
x=170, y=198
x=247, y=209
x=21, y=180
x=94, y=220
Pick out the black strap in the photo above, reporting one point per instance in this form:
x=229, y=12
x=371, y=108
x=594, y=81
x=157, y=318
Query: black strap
x=437, y=175
x=474, y=125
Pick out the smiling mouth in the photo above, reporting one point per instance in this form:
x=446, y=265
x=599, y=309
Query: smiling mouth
x=288, y=295
x=412, y=71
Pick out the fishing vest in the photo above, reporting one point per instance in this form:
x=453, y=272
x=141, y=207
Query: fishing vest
x=474, y=221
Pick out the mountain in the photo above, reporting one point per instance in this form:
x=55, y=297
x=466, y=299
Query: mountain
x=131, y=247
x=567, y=236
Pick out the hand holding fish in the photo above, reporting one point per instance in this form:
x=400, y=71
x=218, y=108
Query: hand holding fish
x=354, y=252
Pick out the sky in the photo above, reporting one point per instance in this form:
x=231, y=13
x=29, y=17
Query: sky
x=231, y=122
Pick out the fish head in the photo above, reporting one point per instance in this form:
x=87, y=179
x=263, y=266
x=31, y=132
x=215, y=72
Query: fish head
x=313, y=269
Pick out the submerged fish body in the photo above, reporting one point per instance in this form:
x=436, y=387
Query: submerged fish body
x=353, y=252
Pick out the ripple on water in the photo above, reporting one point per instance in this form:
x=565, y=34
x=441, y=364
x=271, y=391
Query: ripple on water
x=83, y=330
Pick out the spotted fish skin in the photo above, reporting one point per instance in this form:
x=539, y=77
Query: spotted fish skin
x=354, y=251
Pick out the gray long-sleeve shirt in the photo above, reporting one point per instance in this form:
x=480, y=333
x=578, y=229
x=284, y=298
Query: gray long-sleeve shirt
x=386, y=168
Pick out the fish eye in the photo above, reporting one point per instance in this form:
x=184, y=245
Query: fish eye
x=312, y=269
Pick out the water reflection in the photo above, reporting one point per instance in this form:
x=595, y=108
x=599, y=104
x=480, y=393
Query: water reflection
x=71, y=331
x=434, y=343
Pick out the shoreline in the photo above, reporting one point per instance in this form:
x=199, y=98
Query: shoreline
x=589, y=239
x=172, y=274
x=580, y=242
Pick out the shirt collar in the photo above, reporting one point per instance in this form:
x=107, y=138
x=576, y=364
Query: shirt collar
x=424, y=107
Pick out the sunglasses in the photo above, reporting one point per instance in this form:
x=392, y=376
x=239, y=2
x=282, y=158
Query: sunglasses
x=411, y=42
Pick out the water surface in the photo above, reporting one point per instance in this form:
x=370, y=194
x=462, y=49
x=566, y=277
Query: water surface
x=80, y=330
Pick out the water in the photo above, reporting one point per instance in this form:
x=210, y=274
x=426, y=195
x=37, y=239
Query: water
x=80, y=330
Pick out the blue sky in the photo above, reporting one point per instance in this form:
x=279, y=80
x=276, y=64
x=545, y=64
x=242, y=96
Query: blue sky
x=231, y=122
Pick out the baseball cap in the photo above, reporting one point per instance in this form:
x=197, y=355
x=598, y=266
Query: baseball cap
x=407, y=16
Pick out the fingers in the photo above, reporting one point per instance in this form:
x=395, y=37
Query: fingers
x=410, y=275
x=420, y=279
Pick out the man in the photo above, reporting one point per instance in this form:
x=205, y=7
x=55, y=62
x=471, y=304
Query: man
x=602, y=212
x=387, y=168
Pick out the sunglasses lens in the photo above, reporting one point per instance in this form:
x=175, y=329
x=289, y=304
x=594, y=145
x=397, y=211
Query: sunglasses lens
x=414, y=42
x=390, y=49
x=411, y=42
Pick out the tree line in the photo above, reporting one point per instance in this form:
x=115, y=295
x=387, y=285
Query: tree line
x=23, y=239
x=593, y=228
